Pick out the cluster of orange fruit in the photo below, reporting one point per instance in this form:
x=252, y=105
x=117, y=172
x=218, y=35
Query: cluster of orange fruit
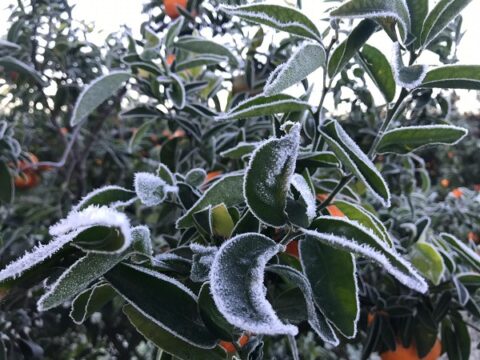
x=29, y=177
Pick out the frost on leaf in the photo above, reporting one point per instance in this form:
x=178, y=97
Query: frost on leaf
x=268, y=177
x=300, y=184
x=352, y=236
x=141, y=240
x=111, y=195
x=316, y=319
x=408, y=77
x=236, y=280
x=308, y=58
x=201, y=261
x=151, y=189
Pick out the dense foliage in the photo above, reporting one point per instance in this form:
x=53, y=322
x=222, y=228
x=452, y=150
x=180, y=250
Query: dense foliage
x=169, y=197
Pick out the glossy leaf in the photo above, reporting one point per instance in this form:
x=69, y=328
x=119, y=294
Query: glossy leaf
x=349, y=47
x=428, y=261
x=219, y=192
x=200, y=45
x=372, y=9
x=453, y=77
x=354, y=159
x=404, y=140
x=308, y=58
x=379, y=69
x=90, y=301
x=221, y=222
x=95, y=93
x=164, y=301
x=441, y=15
x=200, y=60
x=268, y=177
x=418, y=10
x=236, y=280
x=332, y=276
x=282, y=18
x=264, y=105
x=351, y=236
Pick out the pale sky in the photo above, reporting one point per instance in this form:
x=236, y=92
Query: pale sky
x=110, y=15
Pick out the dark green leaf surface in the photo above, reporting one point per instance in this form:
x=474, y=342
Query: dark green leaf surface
x=7, y=189
x=453, y=77
x=90, y=301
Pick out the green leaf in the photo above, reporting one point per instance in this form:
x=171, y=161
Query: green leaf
x=316, y=159
x=453, y=77
x=138, y=136
x=353, y=237
x=316, y=319
x=176, y=92
x=428, y=261
x=90, y=301
x=268, y=177
x=238, y=151
x=221, y=223
x=219, y=192
x=77, y=277
x=407, y=139
x=199, y=45
x=279, y=17
x=408, y=77
x=331, y=273
x=111, y=195
x=465, y=252
x=379, y=69
x=372, y=9
x=164, y=301
x=174, y=30
x=200, y=60
x=236, y=281
x=418, y=10
x=308, y=58
x=354, y=159
x=212, y=318
x=11, y=64
x=102, y=239
x=441, y=15
x=349, y=47
x=367, y=219
x=455, y=338
x=7, y=190
x=95, y=93
x=261, y=105
x=168, y=342
x=196, y=177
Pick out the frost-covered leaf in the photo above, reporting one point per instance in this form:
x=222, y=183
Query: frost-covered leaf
x=219, y=192
x=202, y=260
x=151, y=189
x=90, y=301
x=111, y=196
x=367, y=219
x=307, y=195
x=282, y=18
x=418, y=10
x=353, y=237
x=239, y=150
x=261, y=105
x=268, y=177
x=200, y=60
x=379, y=69
x=221, y=222
x=138, y=135
x=354, y=159
x=316, y=159
x=332, y=276
x=11, y=64
x=441, y=15
x=199, y=45
x=408, y=77
x=141, y=112
x=453, y=77
x=168, y=342
x=404, y=140
x=308, y=58
x=428, y=261
x=212, y=318
x=465, y=252
x=196, y=177
x=316, y=319
x=164, y=173
x=98, y=229
x=372, y=9
x=236, y=281
x=247, y=223
x=141, y=240
x=95, y=93
x=7, y=190
x=349, y=47
x=174, y=30
x=176, y=92
x=164, y=301
x=77, y=277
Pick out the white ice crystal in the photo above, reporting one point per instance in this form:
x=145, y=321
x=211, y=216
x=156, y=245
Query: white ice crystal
x=151, y=189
